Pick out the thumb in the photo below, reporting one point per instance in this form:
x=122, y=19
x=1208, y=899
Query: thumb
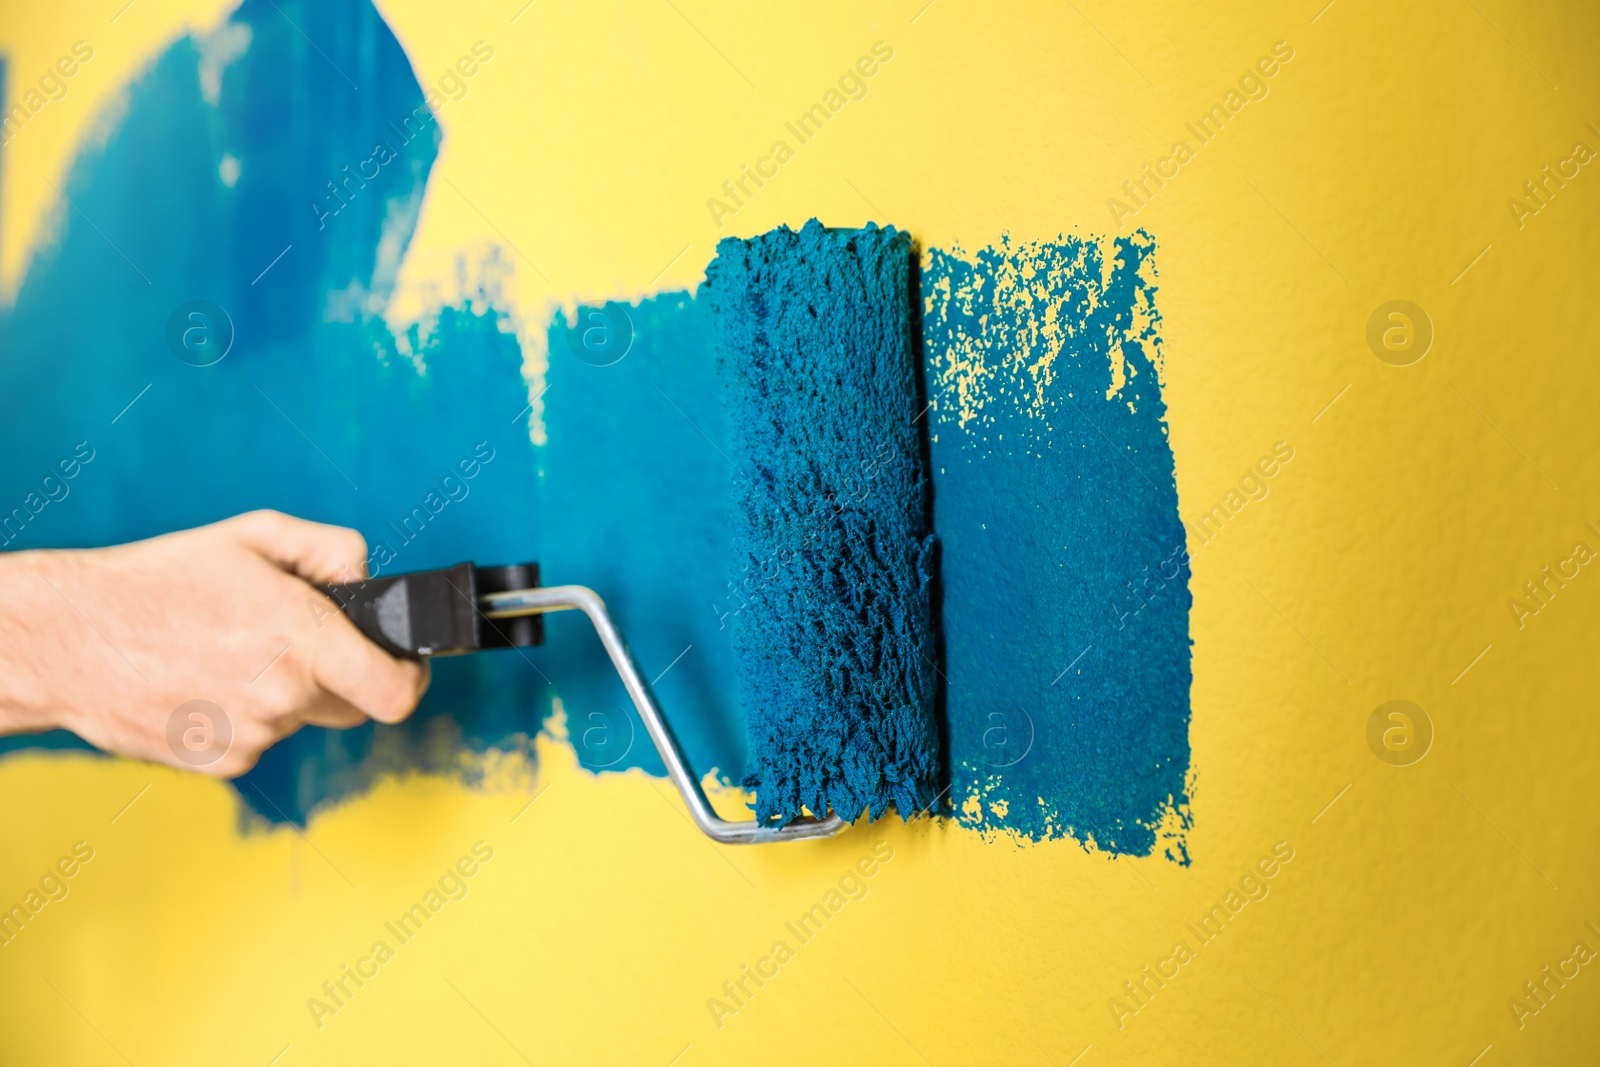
x=315, y=551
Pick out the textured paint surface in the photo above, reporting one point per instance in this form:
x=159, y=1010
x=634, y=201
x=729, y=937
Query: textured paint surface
x=1066, y=599
x=830, y=531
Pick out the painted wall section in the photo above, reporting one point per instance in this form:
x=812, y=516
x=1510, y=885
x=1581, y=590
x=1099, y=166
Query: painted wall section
x=314, y=405
x=1066, y=587
x=244, y=169
x=636, y=489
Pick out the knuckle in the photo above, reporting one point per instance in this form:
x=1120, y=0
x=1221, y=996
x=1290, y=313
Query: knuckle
x=354, y=542
x=239, y=759
x=248, y=744
x=280, y=697
x=394, y=694
x=235, y=763
x=263, y=519
x=296, y=664
x=353, y=557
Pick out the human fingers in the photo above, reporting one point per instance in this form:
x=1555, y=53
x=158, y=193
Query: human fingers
x=315, y=551
x=351, y=667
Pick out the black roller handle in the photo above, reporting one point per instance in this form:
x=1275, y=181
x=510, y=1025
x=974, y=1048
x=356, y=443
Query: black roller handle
x=437, y=613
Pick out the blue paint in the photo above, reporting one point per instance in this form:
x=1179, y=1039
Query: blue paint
x=836, y=649
x=310, y=362
x=635, y=493
x=1066, y=577
x=316, y=390
x=1045, y=511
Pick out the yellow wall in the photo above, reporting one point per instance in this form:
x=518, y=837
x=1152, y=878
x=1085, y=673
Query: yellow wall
x=1380, y=566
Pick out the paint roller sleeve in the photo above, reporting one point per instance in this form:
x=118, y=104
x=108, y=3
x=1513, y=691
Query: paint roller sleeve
x=831, y=508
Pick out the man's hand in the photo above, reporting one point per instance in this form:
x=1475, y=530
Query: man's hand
x=110, y=643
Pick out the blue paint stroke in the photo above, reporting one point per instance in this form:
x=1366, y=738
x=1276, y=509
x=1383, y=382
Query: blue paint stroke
x=316, y=396
x=1066, y=577
x=635, y=493
x=318, y=410
x=1042, y=522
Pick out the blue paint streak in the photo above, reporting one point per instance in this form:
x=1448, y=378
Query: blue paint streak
x=635, y=488
x=1042, y=522
x=1057, y=511
x=316, y=393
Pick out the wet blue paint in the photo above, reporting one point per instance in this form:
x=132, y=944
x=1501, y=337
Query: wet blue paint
x=1066, y=576
x=316, y=397
x=1041, y=522
x=635, y=493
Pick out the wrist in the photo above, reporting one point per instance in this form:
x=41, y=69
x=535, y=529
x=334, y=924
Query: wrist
x=36, y=639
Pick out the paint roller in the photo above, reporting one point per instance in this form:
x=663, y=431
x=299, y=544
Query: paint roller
x=830, y=538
